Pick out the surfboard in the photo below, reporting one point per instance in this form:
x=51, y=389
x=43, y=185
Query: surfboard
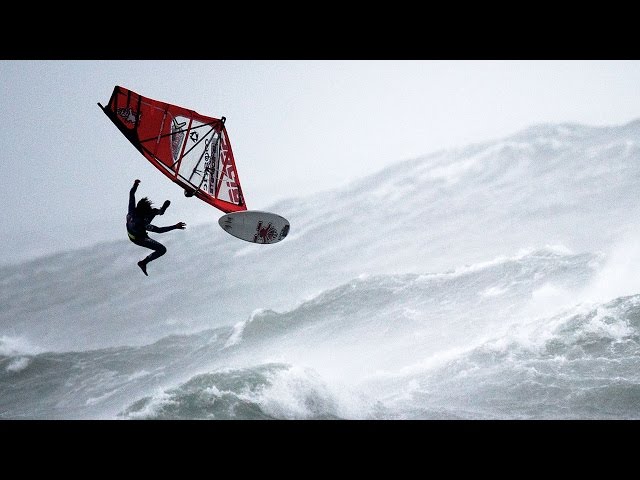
x=255, y=226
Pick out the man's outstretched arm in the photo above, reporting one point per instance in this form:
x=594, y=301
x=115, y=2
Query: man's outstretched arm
x=179, y=225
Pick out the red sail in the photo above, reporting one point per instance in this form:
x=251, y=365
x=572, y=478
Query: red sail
x=192, y=150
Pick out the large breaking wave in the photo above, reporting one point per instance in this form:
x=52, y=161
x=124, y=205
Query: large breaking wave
x=476, y=342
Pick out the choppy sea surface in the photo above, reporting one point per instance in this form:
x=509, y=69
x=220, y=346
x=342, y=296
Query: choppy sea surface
x=497, y=281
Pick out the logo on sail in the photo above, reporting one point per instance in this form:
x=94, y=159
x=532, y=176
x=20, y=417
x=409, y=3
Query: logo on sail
x=128, y=115
x=177, y=136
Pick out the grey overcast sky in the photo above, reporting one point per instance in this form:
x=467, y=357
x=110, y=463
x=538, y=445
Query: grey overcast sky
x=296, y=127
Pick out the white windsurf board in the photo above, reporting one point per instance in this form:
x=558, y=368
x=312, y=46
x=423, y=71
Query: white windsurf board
x=255, y=226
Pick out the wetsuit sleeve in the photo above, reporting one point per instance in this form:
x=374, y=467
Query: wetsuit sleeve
x=153, y=228
x=132, y=199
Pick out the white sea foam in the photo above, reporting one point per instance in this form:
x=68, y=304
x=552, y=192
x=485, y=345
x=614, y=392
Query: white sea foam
x=12, y=346
x=238, y=328
x=18, y=364
x=301, y=393
x=494, y=291
x=151, y=408
x=619, y=275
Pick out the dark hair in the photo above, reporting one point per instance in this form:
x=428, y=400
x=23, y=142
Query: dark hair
x=144, y=206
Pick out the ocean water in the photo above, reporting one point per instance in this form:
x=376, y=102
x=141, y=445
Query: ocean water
x=496, y=281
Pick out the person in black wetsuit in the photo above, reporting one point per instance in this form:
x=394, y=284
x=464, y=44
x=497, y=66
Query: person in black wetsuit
x=139, y=218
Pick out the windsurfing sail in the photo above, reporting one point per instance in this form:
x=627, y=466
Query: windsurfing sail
x=191, y=149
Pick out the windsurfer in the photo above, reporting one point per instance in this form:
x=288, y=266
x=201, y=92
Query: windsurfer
x=139, y=218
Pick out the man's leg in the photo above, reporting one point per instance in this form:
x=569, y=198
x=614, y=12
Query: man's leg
x=158, y=251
